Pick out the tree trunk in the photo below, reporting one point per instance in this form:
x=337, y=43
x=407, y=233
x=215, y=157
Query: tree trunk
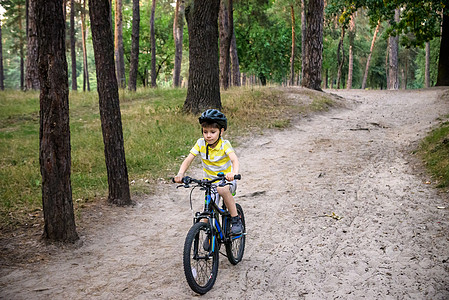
x=21, y=53
x=134, y=65
x=427, y=68
x=292, y=58
x=368, y=60
x=32, y=72
x=107, y=87
x=203, y=89
x=340, y=57
x=394, y=53
x=153, y=45
x=313, y=45
x=226, y=30
x=54, y=133
x=83, y=37
x=178, y=32
x=443, y=62
x=303, y=35
x=72, y=44
x=2, y=76
x=351, y=36
x=119, y=52
x=234, y=61
x=387, y=69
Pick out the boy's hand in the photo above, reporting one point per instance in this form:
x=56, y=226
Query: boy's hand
x=178, y=178
x=230, y=176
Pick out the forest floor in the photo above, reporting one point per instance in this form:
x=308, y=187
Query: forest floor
x=337, y=207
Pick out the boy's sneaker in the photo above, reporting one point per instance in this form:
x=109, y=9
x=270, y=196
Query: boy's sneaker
x=236, y=226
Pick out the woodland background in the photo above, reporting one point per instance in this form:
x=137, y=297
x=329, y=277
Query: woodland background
x=263, y=40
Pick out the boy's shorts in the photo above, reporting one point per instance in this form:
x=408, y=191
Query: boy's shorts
x=216, y=197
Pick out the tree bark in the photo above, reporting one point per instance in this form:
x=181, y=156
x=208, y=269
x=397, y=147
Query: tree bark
x=226, y=30
x=153, y=45
x=72, y=44
x=235, y=67
x=292, y=58
x=54, y=133
x=119, y=52
x=31, y=70
x=107, y=87
x=368, y=60
x=427, y=68
x=394, y=53
x=303, y=35
x=2, y=76
x=134, y=65
x=443, y=62
x=313, y=45
x=340, y=57
x=178, y=32
x=203, y=89
x=351, y=36
x=86, y=81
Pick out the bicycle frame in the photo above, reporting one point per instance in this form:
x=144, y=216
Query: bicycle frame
x=212, y=211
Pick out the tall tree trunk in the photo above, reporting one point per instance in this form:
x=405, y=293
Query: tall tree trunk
x=134, y=65
x=153, y=45
x=54, y=133
x=32, y=72
x=86, y=81
x=111, y=123
x=21, y=53
x=387, y=68
x=203, y=89
x=368, y=60
x=292, y=58
x=314, y=45
x=340, y=57
x=394, y=54
x=427, y=68
x=303, y=35
x=226, y=30
x=72, y=44
x=443, y=61
x=178, y=32
x=2, y=76
x=119, y=52
x=235, y=67
x=351, y=36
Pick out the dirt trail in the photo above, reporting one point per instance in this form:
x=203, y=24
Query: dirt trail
x=336, y=208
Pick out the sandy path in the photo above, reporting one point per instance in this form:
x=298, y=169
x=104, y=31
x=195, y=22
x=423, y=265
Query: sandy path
x=392, y=241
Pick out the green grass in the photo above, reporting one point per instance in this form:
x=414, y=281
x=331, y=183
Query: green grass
x=157, y=136
x=434, y=150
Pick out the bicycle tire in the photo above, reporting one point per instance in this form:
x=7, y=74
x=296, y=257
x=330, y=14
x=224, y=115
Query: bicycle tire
x=235, y=248
x=200, y=269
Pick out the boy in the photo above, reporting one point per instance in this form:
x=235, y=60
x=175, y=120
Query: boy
x=217, y=155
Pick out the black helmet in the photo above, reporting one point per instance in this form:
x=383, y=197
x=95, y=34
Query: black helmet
x=214, y=116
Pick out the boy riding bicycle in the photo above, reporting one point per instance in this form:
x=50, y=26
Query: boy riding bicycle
x=217, y=155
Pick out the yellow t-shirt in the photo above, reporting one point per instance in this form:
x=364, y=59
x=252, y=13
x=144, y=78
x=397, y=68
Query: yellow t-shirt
x=218, y=159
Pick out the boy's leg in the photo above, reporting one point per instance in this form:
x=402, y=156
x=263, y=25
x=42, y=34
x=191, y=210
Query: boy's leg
x=228, y=199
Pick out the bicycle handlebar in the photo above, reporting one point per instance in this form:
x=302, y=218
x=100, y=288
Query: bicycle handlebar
x=187, y=180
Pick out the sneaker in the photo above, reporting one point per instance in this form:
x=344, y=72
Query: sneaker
x=206, y=244
x=236, y=226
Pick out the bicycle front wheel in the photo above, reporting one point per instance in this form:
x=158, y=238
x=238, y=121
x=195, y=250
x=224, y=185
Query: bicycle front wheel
x=200, y=269
x=236, y=247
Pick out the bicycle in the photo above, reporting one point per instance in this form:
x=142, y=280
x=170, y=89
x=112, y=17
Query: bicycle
x=200, y=257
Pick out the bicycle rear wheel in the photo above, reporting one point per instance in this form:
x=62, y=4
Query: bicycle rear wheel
x=235, y=249
x=200, y=269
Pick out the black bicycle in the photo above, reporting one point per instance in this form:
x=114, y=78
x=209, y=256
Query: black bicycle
x=205, y=237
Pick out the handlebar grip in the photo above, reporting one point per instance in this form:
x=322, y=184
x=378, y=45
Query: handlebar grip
x=173, y=180
x=238, y=176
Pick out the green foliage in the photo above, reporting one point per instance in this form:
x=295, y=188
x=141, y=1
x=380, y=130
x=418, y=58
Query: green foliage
x=435, y=152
